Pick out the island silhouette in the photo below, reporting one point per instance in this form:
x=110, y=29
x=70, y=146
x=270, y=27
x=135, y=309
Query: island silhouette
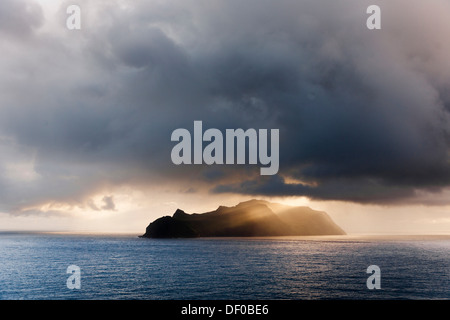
x=253, y=218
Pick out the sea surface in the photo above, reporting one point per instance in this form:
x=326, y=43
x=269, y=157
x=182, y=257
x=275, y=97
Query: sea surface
x=34, y=266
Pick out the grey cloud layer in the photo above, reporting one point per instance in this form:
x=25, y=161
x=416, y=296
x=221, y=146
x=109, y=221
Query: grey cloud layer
x=363, y=116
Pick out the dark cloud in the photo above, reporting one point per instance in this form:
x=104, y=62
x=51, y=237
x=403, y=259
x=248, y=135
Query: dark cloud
x=108, y=203
x=346, y=189
x=363, y=115
x=19, y=18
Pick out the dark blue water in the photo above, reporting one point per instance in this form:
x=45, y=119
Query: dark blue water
x=33, y=266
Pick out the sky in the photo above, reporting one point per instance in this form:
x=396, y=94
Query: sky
x=86, y=115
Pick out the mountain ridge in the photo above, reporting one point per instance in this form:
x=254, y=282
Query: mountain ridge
x=246, y=219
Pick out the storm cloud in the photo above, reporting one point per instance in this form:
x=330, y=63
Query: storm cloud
x=363, y=114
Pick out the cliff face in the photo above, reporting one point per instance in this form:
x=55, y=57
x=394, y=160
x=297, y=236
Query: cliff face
x=247, y=219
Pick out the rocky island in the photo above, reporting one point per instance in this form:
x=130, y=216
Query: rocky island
x=251, y=218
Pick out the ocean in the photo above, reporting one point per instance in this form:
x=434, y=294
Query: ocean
x=34, y=266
